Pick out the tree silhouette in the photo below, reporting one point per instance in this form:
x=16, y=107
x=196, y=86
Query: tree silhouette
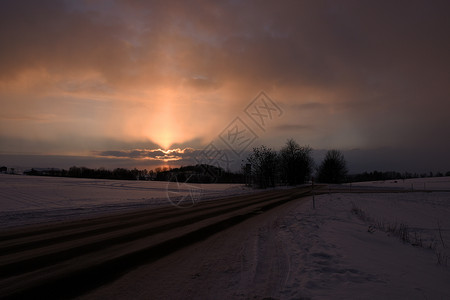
x=333, y=168
x=263, y=163
x=296, y=162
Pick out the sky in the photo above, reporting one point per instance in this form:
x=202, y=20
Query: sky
x=149, y=83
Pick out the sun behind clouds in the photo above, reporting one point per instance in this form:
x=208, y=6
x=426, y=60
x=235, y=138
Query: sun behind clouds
x=165, y=131
x=174, y=115
x=164, y=137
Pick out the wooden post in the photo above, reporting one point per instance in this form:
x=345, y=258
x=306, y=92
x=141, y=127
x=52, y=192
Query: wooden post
x=313, y=194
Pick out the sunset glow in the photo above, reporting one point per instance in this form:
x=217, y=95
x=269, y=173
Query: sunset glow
x=79, y=78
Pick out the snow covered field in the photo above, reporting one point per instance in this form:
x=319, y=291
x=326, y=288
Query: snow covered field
x=431, y=183
x=344, y=249
x=352, y=246
x=336, y=251
x=34, y=199
x=339, y=255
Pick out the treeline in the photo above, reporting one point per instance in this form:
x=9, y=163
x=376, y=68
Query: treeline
x=200, y=173
x=84, y=172
x=264, y=167
x=377, y=176
x=102, y=173
x=293, y=165
x=193, y=174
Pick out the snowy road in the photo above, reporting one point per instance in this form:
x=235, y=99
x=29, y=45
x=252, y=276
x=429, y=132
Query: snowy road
x=52, y=260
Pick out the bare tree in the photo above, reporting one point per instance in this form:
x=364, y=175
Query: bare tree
x=333, y=168
x=296, y=162
x=263, y=163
